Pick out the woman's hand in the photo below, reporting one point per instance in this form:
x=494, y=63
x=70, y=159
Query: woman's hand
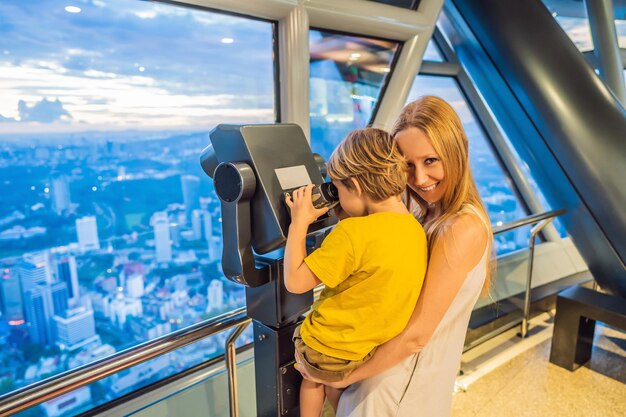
x=299, y=366
x=300, y=203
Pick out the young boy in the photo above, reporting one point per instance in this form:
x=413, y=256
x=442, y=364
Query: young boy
x=372, y=263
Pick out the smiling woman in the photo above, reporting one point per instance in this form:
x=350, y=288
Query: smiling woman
x=103, y=108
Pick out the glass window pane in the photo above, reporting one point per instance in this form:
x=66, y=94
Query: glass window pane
x=578, y=30
x=109, y=229
x=144, y=374
x=572, y=17
x=347, y=74
x=405, y=4
x=493, y=184
x=620, y=27
x=433, y=53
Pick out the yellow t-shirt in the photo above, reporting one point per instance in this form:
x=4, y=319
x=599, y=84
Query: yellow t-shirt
x=373, y=268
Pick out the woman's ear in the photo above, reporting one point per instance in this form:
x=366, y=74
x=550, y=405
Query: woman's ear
x=357, y=187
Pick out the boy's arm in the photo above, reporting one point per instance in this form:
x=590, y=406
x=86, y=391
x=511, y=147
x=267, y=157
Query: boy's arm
x=298, y=277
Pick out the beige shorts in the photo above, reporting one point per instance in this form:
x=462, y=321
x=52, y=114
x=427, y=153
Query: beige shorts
x=324, y=367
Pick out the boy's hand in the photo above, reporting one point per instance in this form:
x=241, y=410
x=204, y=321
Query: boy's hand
x=302, y=211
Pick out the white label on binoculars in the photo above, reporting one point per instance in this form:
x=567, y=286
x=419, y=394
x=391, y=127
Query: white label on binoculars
x=292, y=177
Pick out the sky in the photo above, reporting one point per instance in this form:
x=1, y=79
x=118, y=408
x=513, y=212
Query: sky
x=129, y=64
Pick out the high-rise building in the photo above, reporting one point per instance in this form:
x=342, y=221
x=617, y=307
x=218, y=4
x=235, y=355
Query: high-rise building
x=87, y=231
x=68, y=272
x=34, y=269
x=38, y=308
x=175, y=233
x=215, y=295
x=60, y=297
x=196, y=223
x=11, y=295
x=191, y=193
x=162, y=241
x=135, y=286
x=61, y=194
x=215, y=248
x=208, y=225
x=75, y=328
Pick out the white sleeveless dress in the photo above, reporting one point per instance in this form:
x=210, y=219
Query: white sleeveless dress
x=422, y=384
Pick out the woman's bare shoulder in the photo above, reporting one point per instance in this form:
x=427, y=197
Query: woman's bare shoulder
x=464, y=240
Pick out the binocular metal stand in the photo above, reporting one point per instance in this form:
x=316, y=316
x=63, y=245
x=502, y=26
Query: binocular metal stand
x=252, y=166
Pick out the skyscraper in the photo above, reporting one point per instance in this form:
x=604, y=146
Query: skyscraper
x=60, y=297
x=75, y=328
x=215, y=248
x=11, y=294
x=162, y=242
x=191, y=193
x=208, y=225
x=38, y=309
x=67, y=272
x=87, y=231
x=34, y=269
x=135, y=285
x=215, y=295
x=60, y=194
x=196, y=224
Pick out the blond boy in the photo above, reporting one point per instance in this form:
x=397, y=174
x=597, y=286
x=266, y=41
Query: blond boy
x=372, y=264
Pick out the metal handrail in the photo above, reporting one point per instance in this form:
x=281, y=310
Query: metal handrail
x=532, y=219
x=35, y=394
x=531, y=256
x=231, y=366
x=541, y=220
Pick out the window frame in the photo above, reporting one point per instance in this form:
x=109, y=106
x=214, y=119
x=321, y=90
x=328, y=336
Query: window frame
x=392, y=64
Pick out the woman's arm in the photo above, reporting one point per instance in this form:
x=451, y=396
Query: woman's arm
x=455, y=253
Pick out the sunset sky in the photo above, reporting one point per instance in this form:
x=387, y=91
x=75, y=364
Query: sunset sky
x=128, y=64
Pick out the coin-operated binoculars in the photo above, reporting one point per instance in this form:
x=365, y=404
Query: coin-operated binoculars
x=252, y=166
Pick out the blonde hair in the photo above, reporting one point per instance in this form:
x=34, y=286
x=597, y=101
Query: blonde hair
x=371, y=157
x=438, y=120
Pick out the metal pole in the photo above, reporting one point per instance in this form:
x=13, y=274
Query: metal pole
x=531, y=256
x=231, y=366
x=606, y=47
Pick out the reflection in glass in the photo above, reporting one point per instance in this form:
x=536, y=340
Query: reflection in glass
x=494, y=185
x=347, y=74
x=109, y=229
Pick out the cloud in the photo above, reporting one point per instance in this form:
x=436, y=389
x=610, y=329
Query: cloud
x=6, y=119
x=45, y=111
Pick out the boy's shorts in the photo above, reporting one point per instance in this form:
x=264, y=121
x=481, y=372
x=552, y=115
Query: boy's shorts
x=324, y=367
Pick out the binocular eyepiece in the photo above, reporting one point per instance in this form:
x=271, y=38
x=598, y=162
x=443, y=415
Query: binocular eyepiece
x=322, y=195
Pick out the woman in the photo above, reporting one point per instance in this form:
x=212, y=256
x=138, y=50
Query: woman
x=413, y=374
